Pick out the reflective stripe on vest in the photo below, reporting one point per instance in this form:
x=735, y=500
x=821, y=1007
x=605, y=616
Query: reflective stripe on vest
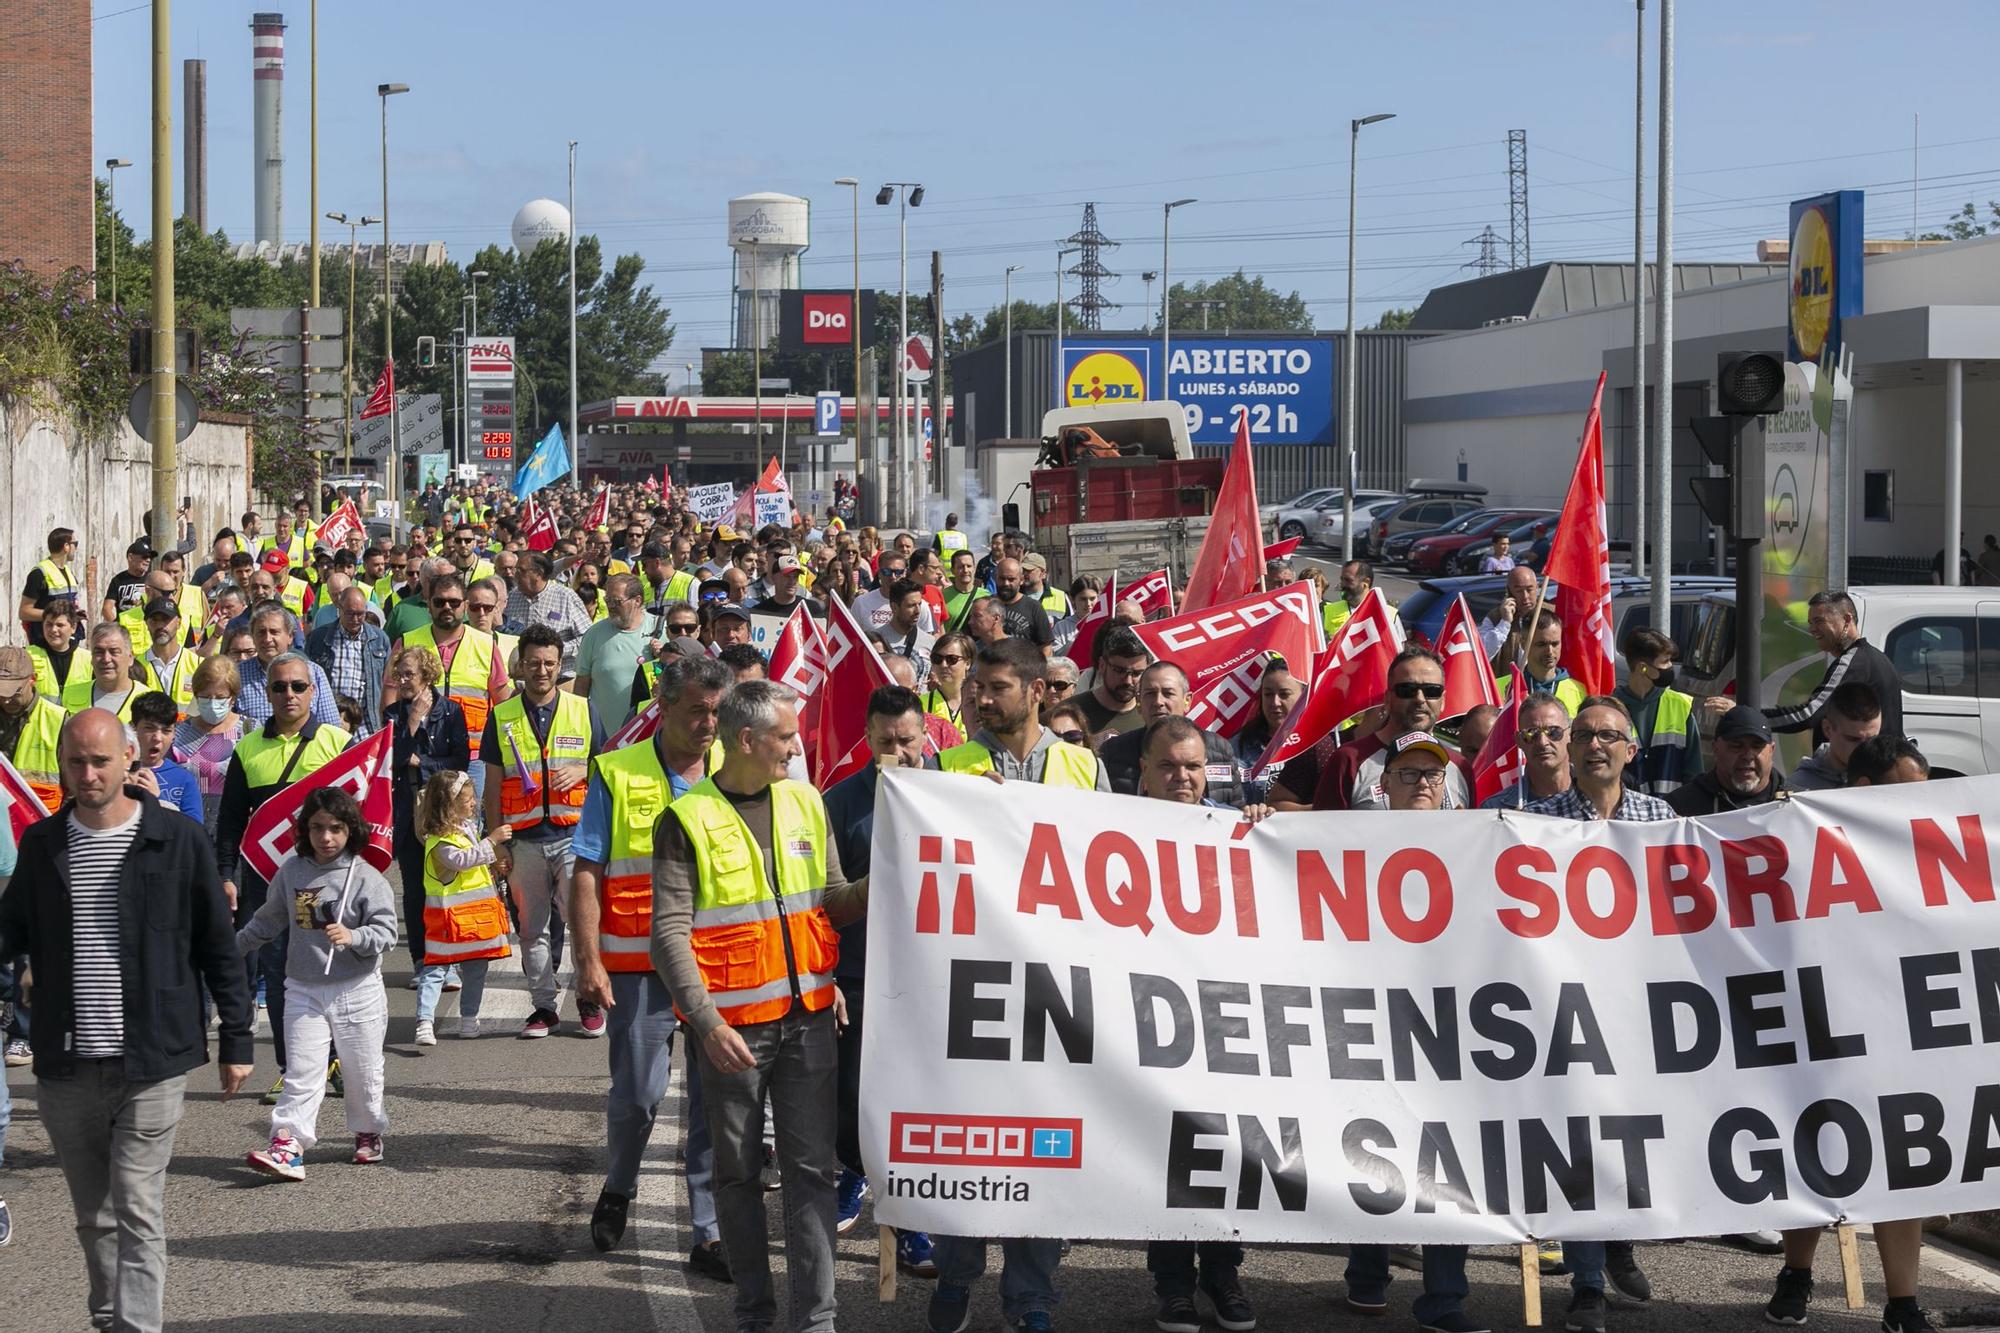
x=294, y=597
x=471, y=671
x=640, y=793
x=179, y=684
x=463, y=917
x=1066, y=765
x=522, y=759
x=35, y=751
x=56, y=578
x=752, y=938
x=46, y=683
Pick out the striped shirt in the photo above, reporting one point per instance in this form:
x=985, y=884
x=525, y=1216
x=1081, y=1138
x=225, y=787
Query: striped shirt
x=96, y=858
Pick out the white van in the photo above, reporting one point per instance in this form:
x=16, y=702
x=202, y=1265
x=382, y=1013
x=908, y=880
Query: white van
x=1943, y=642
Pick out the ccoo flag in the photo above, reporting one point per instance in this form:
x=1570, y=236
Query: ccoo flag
x=549, y=461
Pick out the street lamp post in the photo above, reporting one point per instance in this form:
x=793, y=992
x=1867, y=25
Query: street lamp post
x=1007, y=342
x=1347, y=356
x=854, y=319
x=472, y=335
x=354, y=226
x=1167, y=295
x=111, y=166
x=462, y=375
x=909, y=195
x=575, y=444
x=385, y=91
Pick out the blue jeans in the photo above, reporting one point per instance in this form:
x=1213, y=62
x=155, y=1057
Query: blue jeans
x=1586, y=1264
x=640, y=1025
x=1444, y=1278
x=1027, y=1270
x=430, y=985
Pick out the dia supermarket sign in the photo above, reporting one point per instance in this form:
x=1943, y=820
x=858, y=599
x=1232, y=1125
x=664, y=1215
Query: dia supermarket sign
x=1284, y=385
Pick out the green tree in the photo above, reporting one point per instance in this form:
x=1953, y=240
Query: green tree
x=1241, y=303
x=1967, y=223
x=1395, y=319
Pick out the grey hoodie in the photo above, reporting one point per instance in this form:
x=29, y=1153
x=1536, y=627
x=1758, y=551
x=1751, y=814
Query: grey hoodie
x=302, y=900
x=1817, y=773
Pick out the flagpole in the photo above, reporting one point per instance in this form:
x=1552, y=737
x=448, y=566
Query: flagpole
x=575, y=456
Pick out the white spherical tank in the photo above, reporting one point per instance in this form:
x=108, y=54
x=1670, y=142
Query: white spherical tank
x=768, y=232
x=540, y=220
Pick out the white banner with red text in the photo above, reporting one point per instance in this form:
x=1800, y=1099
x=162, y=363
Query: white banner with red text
x=1107, y=1017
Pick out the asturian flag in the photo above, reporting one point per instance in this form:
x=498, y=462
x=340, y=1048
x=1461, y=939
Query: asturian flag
x=549, y=461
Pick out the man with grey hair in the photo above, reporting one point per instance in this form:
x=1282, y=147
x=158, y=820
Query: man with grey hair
x=610, y=932
x=538, y=599
x=353, y=654
x=1163, y=692
x=747, y=836
x=271, y=631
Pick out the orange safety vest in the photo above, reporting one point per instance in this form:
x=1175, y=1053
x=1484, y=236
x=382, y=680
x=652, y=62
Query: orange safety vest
x=526, y=795
x=758, y=943
x=464, y=918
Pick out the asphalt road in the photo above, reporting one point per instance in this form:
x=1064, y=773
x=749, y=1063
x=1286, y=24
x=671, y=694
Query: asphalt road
x=479, y=1217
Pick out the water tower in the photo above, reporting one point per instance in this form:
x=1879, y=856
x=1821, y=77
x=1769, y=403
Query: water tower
x=768, y=232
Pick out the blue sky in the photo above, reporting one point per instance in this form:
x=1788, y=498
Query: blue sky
x=1015, y=114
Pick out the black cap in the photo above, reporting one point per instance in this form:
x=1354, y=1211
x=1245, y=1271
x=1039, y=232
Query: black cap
x=717, y=610
x=1741, y=723
x=140, y=547
x=162, y=608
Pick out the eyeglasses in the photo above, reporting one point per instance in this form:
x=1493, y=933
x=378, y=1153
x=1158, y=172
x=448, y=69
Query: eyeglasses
x=949, y=659
x=1061, y=686
x=1543, y=733
x=1418, y=777
x=480, y=606
x=447, y=601
x=397, y=569
x=1410, y=689
x=1606, y=737
x=288, y=687
x=1073, y=737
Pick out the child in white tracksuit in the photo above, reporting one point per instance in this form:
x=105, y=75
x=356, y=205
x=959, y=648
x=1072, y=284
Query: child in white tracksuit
x=341, y=915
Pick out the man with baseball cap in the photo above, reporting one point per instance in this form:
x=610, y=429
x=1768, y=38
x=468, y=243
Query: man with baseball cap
x=127, y=588
x=30, y=726
x=727, y=624
x=1742, y=771
x=168, y=660
x=1035, y=584
x=292, y=590
x=785, y=595
x=1415, y=770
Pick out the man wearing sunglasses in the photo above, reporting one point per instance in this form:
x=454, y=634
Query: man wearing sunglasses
x=1352, y=778
x=1600, y=748
x=475, y=674
x=1544, y=745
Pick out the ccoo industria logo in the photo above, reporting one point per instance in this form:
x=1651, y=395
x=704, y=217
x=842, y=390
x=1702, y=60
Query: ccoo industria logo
x=986, y=1140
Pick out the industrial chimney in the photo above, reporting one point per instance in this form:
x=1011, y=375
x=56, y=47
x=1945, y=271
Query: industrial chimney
x=194, y=149
x=267, y=71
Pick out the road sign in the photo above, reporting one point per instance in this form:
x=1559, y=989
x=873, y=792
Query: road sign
x=283, y=322
x=421, y=416
x=775, y=384
x=917, y=359
x=140, y=410
x=826, y=414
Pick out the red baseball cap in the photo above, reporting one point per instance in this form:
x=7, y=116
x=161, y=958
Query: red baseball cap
x=275, y=560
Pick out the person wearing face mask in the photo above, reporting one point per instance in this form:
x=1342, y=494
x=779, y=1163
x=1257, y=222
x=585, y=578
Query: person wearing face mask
x=1669, y=751
x=207, y=737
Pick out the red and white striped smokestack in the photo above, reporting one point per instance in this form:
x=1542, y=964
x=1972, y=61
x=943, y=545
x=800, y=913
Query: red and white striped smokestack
x=267, y=73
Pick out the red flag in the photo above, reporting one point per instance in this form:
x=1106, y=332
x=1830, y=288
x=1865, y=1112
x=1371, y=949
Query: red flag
x=1283, y=549
x=1225, y=649
x=364, y=771
x=600, y=511
x=1498, y=764
x=798, y=658
x=1092, y=621
x=1468, y=680
x=1579, y=564
x=1153, y=592
x=340, y=523
x=539, y=526
x=853, y=672
x=1227, y=567
x=770, y=480
x=24, y=804
x=1349, y=678
x=641, y=728
x=384, y=397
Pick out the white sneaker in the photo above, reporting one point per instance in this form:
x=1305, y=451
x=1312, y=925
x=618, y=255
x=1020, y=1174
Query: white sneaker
x=468, y=1027
x=426, y=1032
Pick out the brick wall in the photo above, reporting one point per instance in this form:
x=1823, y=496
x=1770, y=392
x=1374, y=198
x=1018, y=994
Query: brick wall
x=47, y=213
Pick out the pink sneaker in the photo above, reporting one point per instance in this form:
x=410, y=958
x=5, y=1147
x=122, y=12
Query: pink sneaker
x=283, y=1159
x=591, y=1019
x=367, y=1149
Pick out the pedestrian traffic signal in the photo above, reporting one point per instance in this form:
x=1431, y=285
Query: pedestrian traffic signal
x=1749, y=384
x=427, y=350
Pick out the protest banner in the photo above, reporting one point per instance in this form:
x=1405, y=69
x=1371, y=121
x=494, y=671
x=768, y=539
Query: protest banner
x=774, y=507
x=1224, y=649
x=710, y=504
x=363, y=770
x=1117, y=1018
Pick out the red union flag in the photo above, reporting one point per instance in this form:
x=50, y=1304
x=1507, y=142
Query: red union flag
x=1498, y=763
x=798, y=658
x=1092, y=622
x=539, y=527
x=24, y=805
x=1468, y=680
x=1153, y=592
x=1579, y=563
x=384, y=398
x=853, y=672
x=1224, y=650
x=641, y=728
x=340, y=524
x=1227, y=567
x=600, y=511
x=363, y=770
x=1282, y=550
x=1350, y=677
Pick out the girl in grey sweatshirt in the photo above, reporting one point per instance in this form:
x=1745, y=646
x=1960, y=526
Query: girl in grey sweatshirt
x=340, y=915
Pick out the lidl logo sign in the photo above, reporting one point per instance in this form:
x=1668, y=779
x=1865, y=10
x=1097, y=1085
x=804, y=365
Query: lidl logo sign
x=1813, y=282
x=1104, y=379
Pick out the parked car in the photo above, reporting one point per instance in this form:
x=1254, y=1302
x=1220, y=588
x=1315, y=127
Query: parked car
x=1331, y=531
x=1423, y=612
x=1305, y=499
x=1472, y=535
x=1530, y=546
x=1418, y=513
x=1940, y=640
x=1302, y=520
x=1396, y=550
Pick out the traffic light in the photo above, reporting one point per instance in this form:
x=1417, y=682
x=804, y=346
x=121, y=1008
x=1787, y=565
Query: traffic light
x=427, y=351
x=1748, y=385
